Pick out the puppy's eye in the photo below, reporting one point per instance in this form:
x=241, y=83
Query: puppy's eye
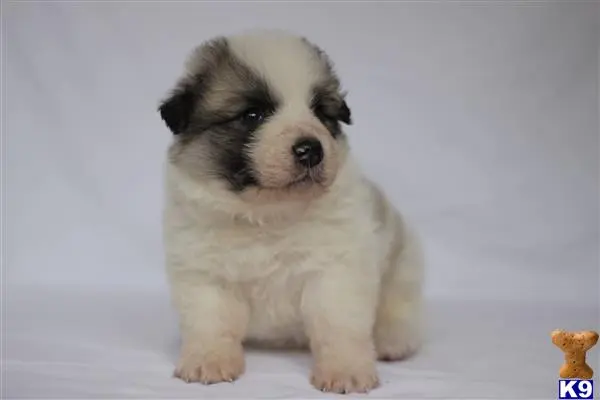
x=321, y=113
x=253, y=117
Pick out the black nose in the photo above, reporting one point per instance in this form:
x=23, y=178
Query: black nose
x=308, y=152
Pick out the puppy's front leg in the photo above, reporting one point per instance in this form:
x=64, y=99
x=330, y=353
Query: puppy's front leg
x=213, y=322
x=339, y=311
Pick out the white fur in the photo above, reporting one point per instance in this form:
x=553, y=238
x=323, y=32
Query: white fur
x=277, y=56
x=340, y=273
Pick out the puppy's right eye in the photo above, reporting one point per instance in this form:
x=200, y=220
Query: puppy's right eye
x=253, y=117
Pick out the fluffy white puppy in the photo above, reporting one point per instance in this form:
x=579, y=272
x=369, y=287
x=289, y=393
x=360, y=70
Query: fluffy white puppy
x=272, y=234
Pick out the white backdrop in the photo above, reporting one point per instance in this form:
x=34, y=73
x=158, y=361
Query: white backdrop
x=479, y=119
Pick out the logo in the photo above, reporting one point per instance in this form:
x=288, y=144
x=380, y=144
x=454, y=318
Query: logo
x=576, y=375
x=575, y=389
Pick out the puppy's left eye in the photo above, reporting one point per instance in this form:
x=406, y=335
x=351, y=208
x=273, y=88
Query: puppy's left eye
x=321, y=113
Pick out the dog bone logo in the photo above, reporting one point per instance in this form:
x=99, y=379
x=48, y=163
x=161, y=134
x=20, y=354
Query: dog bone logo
x=575, y=345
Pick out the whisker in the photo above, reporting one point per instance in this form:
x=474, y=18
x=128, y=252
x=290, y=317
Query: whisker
x=310, y=175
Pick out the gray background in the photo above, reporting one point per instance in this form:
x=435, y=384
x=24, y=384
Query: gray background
x=479, y=119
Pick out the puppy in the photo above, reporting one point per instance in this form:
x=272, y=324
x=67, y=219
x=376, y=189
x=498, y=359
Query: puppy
x=272, y=235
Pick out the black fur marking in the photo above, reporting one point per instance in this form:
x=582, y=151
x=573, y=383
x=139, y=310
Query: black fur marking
x=213, y=138
x=229, y=145
x=330, y=111
x=345, y=114
x=214, y=130
x=231, y=137
x=177, y=110
x=328, y=103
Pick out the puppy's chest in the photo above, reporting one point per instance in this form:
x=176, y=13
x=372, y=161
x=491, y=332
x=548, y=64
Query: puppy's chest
x=240, y=254
x=274, y=305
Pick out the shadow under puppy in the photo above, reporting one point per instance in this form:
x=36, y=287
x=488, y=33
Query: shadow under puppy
x=271, y=233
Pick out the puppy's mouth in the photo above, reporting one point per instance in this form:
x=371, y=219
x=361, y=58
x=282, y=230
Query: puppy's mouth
x=308, y=177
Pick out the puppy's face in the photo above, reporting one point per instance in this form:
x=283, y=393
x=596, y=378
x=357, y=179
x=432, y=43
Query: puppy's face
x=258, y=115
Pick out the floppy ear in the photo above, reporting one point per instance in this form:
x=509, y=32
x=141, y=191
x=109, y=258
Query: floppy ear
x=344, y=114
x=176, y=111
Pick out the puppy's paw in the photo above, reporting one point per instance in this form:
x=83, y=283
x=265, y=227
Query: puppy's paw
x=344, y=379
x=397, y=344
x=225, y=364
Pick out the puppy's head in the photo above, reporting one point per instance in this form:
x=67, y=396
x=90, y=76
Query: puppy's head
x=259, y=116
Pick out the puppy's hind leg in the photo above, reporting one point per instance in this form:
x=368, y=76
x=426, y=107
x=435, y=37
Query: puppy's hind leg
x=398, y=329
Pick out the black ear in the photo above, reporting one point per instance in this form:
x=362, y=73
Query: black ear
x=176, y=111
x=344, y=114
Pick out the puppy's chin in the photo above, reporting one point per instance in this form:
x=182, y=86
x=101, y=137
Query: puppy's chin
x=306, y=186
